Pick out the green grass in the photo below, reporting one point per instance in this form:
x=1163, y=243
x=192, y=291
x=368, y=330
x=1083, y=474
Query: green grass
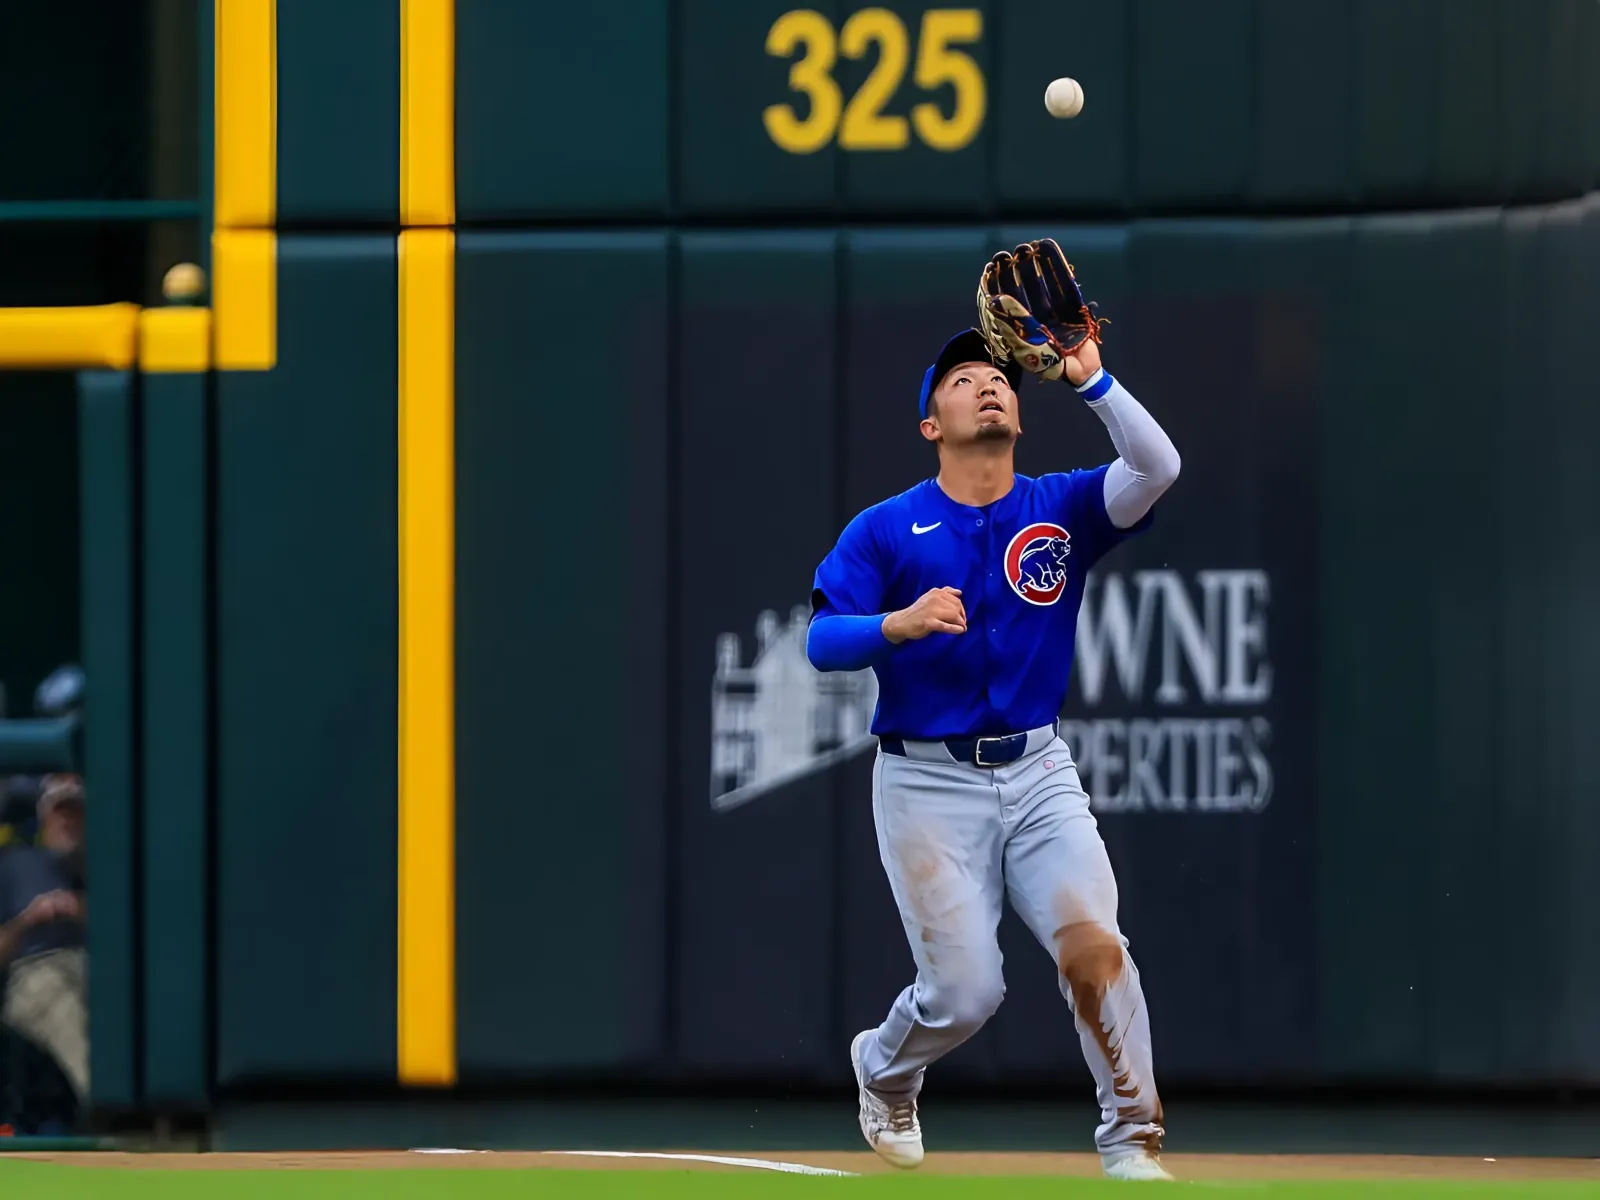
x=42, y=1181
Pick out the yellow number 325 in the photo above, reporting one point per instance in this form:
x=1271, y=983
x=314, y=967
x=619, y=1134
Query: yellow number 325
x=862, y=124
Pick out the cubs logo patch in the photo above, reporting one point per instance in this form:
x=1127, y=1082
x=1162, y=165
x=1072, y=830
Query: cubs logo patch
x=1036, y=562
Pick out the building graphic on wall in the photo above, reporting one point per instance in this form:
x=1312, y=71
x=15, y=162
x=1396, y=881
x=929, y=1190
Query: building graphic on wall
x=779, y=718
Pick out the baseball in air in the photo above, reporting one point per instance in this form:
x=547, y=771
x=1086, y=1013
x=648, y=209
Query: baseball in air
x=1064, y=98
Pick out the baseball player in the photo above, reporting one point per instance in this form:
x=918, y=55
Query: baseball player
x=962, y=594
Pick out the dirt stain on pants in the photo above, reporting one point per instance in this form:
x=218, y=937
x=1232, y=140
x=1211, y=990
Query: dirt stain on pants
x=1094, y=967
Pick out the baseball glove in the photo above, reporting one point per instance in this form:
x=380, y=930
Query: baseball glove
x=1031, y=309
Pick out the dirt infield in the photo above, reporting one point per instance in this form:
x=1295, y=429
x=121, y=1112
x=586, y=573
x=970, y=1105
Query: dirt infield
x=1209, y=1167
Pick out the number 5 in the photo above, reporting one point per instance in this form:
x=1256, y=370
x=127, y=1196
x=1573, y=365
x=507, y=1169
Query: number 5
x=938, y=64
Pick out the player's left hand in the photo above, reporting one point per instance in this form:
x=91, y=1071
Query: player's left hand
x=1080, y=364
x=1031, y=310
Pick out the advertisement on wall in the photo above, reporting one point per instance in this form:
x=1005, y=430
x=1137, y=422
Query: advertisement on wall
x=1157, y=643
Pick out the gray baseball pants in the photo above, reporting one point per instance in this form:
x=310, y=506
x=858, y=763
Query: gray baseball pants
x=957, y=839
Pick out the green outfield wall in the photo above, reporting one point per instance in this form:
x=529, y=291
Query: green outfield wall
x=1425, y=614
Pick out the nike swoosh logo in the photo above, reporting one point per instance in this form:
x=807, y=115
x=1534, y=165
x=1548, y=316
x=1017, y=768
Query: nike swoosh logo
x=915, y=528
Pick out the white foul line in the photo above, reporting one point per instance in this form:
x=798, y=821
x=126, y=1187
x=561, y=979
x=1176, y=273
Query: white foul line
x=761, y=1164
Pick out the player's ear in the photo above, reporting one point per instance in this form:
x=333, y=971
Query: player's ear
x=930, y=427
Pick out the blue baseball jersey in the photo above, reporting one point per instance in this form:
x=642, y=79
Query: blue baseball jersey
x=1020, y=564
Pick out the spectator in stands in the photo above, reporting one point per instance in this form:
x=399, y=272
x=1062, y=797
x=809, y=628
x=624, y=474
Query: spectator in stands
x=60, y=694
x=42, y=912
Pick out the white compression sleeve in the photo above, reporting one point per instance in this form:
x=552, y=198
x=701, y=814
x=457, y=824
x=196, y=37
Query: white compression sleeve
x=1148, y=461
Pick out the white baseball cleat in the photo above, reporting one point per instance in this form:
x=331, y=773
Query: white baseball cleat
x=892, y=1130
x=1140, y=1166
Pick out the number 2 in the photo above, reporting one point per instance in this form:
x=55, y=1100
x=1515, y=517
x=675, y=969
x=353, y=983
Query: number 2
x=865, y=127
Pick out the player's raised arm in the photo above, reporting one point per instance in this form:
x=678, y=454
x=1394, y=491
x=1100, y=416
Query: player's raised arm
x=1147, y=462
x=1032, y=312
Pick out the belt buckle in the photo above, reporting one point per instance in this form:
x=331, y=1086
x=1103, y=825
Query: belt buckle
x=977, y=751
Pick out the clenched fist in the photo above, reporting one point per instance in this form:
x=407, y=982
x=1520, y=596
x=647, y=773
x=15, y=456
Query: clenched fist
x=936, y=611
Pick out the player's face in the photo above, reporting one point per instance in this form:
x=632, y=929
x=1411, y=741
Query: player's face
x=975, y=403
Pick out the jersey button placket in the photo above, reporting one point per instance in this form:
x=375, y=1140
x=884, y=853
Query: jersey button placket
x=989, y=556
x=991, y=607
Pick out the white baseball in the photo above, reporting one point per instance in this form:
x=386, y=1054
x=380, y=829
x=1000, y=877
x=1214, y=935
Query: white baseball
x=1064, y=98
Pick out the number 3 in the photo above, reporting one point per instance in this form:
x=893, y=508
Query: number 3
x=865, y=125
x=810, y=76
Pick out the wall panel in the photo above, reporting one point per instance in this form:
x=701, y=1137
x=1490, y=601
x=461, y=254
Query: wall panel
x=756, y=447
x=561, y=632
x=307, y=637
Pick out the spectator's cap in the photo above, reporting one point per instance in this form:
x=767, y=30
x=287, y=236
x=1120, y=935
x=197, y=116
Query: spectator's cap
x=966, y=346
x=58, y=790
x=60, y=693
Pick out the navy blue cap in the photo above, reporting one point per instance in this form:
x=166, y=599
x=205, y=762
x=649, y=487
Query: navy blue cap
x=966, y=346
